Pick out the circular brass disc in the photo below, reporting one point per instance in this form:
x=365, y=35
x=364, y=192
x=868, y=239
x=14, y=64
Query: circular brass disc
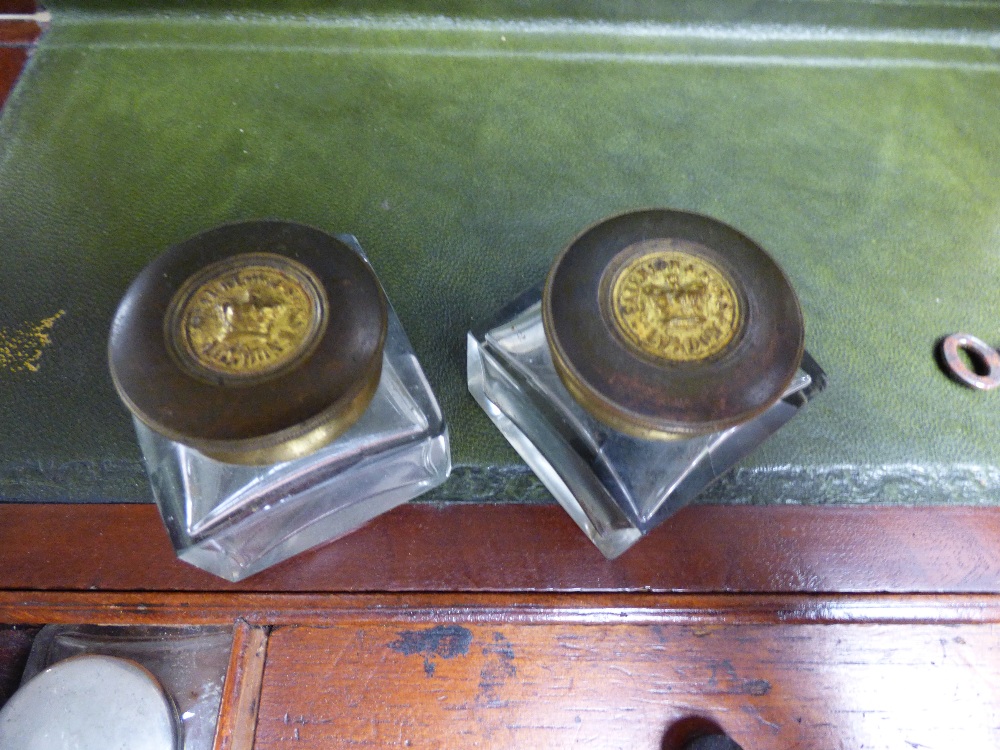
x=671, y=304
x=247, y=318
x=667, y=324
x=254, y=343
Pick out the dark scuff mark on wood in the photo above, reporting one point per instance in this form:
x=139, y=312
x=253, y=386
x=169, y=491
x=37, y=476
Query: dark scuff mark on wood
x=498, y=668
x=444, y=641
x=725, y=678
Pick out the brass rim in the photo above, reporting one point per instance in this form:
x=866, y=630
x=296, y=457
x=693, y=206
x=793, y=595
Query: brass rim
x=731, y=356
x=273, y=380
x=310, y=438
x=624, y=421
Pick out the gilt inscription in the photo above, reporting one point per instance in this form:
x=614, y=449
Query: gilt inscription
x=250, y=320
x=674, y=306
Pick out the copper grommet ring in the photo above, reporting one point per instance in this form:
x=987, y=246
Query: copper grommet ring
x=985, y=371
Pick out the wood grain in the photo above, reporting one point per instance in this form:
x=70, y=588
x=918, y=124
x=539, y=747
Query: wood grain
x=602, y=670
x=465, y=684
x=18, y=33
x=262, y=609
x=458, y=548
x=241, y=693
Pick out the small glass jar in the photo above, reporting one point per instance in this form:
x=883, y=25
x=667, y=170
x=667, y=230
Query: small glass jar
x=180, y=669
x=276, y=398
x=662, y=349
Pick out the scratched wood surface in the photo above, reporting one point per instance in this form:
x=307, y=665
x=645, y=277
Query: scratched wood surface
x=558, y=685
x=523, y=670
x=241, y=693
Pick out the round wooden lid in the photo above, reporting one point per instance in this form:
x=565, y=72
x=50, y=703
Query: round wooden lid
x=254, y=342
x=667, y=324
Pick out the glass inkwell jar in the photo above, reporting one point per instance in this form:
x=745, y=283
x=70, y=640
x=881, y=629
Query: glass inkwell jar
x=276, y=399
x=662, y=349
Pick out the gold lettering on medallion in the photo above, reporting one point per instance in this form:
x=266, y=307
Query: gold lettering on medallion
x=248, y=321
x=675, y=306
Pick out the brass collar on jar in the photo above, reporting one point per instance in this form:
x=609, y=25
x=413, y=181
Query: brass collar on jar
x=254, y=343
x=666, y=324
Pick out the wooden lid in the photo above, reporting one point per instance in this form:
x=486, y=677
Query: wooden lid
x=254, y=343
x=667, y=324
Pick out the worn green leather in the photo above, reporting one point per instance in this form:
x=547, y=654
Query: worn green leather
x=465, y=152
x=815, y=14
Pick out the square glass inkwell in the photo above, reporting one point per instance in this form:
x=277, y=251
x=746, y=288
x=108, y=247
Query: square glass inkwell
x=662, y=349
x=277, y=401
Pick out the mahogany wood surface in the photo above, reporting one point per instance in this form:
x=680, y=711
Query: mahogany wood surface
x=241, y=693
x=272, y=609
x=17, y=37
x=457, y=683
x=531, y=548
x=17, y=7
x=12, y=59
x=586, y=670
x=18, y=33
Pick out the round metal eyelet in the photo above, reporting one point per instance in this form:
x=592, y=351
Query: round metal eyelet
x=984, y=374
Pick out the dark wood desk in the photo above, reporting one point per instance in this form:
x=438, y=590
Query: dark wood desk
x=501, y=626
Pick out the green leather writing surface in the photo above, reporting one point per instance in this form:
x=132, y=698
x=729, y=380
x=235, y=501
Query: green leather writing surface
x=465, y=152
